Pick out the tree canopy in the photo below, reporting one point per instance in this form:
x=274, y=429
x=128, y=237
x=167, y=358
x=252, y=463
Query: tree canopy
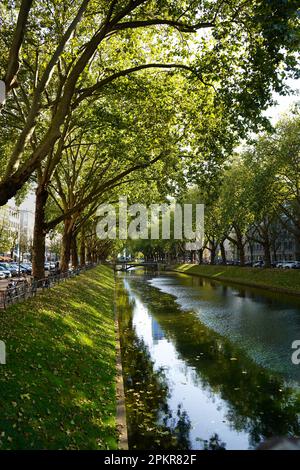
x=57, y=57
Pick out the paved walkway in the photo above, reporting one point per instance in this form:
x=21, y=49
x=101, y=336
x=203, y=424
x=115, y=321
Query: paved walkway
x=3, y=284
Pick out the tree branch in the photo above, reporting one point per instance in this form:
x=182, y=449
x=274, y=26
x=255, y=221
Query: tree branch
x=87, y=92
x=13, y=58
x=183, y=27
x=13, y=162
x=90, y=198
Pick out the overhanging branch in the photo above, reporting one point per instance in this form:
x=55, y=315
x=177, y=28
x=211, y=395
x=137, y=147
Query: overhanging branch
x=92, y=197
x=183, y=27
x=87, y=92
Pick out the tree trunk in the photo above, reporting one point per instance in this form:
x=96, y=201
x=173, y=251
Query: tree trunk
x=74, y=252
x=66, y=246
x=39, y=234
x=241, y=248
x=267, y=254
x=223, y=252
x=239, y=242
x=82, y=248
x=89, y=254
x=250, y=244
x=213, y=254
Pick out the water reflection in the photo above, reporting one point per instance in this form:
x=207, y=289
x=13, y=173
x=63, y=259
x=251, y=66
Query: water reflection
x=151, y=422
x=264, y=325
x=198, y=383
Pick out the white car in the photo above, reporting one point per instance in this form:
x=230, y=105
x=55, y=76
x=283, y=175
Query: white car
x=2, y=275
x=289, y=264
x=6, y=272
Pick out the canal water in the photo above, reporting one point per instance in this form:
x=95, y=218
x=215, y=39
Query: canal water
x=206, y=365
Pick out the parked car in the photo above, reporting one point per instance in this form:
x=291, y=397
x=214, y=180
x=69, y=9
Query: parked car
x=13, y=270
x=4, y=265
x=47, y=266
x=233, y=262
x=27, y=268
x=16, y=267
x=259, y=264
x=10, y=268
x=2, y=275
x=289, y=264
x=6, y=272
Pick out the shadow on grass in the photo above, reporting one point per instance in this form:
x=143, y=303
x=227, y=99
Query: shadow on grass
x=58, y=386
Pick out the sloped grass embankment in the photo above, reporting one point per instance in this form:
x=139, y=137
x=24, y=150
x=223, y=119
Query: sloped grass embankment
x=280, y=280
x=58, y=385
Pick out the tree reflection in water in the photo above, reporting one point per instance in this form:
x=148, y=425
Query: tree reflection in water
x=258, y=401
x=151, y=424
x=214, y=443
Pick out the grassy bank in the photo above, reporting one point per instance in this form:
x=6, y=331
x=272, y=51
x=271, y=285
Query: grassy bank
x=280, y=280
x=58, y=386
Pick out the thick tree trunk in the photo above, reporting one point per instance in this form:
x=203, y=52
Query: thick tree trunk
x=82, y=248
x=223, y=252
x=66, y=246
x=74, y=252
x=213, y=254
x=89, y=254
x=267, y=254
x=241, y=249
x=240, y=244
x=39, y=234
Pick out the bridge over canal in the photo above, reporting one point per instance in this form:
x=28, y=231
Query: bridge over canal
x=126, y=265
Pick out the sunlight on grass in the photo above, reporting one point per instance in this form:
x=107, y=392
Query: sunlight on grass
x=58, y=386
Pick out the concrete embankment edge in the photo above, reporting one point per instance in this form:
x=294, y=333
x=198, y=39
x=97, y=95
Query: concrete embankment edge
x=120, y=393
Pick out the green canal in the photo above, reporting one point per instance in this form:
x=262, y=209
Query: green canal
x=206, y=365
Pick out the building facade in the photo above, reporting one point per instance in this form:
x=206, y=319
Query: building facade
x=286, y=247
x=16, y=231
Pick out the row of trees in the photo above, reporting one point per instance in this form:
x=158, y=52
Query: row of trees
x=140, y=95
x=256, y=197
x=259, y=195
